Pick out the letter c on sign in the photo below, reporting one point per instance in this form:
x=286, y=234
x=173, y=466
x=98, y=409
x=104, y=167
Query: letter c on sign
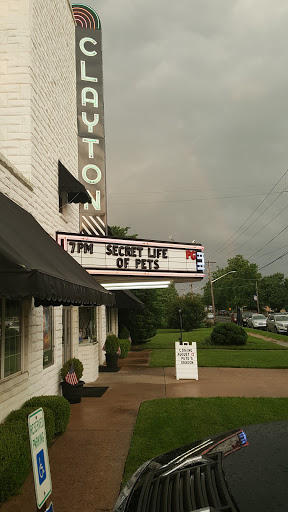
x=85, y=177
x=83, y=49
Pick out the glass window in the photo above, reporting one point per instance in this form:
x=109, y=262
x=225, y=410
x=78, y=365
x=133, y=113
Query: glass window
x=87, y=324
x=108, y=320
x=48, y=341
x=10, y=337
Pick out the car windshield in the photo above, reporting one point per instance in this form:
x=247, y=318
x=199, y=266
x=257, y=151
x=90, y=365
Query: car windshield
x=259, y=317
x=282, y=318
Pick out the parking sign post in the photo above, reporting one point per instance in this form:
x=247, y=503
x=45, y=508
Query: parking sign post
x=39, y=454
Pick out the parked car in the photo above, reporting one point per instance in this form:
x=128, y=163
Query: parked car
x=277, y=323
x=257, y=321
x=244, y=317
x=189, y=478
x=210, y=317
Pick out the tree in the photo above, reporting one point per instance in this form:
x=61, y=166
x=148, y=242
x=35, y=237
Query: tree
x=143, y=323
x=237, y=289
x=273, y=291
x=192, y=312
x=119, y=232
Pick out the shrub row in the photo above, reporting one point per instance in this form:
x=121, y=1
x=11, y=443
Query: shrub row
x=15, y=459
x=125, y=346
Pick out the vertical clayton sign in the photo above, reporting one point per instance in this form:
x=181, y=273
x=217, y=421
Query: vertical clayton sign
x=90, y=116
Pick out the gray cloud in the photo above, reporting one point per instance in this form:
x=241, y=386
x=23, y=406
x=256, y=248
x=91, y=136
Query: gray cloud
x=195, y=106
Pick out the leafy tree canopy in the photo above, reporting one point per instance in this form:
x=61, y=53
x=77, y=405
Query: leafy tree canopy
x=273, y=291
x=119, y=232
x=235, y=289
x=192, y=312
x=143, y=323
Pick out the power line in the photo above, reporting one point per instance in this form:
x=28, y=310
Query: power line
x=274, y=260
x=271, y=252
x=264, y=227
x=185, y=190
x=227, y=242
x=194, y=199
x=282, y=230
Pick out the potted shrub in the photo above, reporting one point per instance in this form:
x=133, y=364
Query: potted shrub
x=113, y=351
x=72, y=385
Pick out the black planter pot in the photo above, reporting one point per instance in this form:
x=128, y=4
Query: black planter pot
x=112, y=360
x=73, y=393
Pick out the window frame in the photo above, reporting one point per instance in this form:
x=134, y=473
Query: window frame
x=2, y=340
x=109, y=320
x=88, y=340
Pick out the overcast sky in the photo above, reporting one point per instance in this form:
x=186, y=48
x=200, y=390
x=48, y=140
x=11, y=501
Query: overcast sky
x=196, y=121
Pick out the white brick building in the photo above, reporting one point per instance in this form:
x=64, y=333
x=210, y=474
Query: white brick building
x=37, y=130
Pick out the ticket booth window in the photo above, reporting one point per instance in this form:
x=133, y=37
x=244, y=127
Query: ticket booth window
x=87, y=324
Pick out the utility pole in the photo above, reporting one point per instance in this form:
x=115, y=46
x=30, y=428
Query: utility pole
x=258, y=307
x=212, y=293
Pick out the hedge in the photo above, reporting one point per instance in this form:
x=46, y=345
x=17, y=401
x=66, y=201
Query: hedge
x=124, y=334
x=21, y=416
x=15, y=458
x=125, y=346
x=58, y=405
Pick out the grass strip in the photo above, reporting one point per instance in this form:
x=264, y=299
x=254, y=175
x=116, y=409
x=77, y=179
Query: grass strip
x=165, y=339
x=226, y=358
x=275, y=336
x=165, y=424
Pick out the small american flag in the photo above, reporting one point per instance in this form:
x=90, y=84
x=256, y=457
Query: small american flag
x=71, y=376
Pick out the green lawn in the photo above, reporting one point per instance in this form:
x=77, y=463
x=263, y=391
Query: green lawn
x=275, y=336
x=165, y=338
x=226, y=358
x=165, y=424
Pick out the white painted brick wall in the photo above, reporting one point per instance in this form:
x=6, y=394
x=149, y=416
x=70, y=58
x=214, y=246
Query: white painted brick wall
x=37, y=127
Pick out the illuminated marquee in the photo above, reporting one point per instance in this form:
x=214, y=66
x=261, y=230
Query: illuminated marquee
x=147, y=258
x=90, y=119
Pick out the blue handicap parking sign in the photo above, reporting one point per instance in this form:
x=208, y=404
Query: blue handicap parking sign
x=41, y=467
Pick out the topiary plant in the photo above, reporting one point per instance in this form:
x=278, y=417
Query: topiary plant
x=125, y=346
x=21, y=416
x=124, y=334
x=78, y=367
x=112, y=344
x=228, y=334
x=58, y=404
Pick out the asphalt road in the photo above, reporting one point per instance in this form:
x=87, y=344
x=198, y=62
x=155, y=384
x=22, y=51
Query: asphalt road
x=223, y=319
x=257, y=475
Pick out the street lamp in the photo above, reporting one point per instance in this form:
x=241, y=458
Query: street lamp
x=211, y=285
x=180, y=339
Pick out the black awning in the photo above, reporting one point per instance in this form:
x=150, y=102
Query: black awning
x=125, y=299
x=33, y=264
x=77, y=193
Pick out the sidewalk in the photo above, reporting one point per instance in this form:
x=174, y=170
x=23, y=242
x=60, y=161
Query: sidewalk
x=87, y=462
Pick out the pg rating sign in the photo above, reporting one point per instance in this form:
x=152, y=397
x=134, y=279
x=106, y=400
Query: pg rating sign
x=39, y=454
x=186, y=361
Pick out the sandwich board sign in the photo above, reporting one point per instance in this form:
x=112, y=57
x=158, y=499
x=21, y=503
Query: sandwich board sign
x=186, y=360
x=39, y=455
